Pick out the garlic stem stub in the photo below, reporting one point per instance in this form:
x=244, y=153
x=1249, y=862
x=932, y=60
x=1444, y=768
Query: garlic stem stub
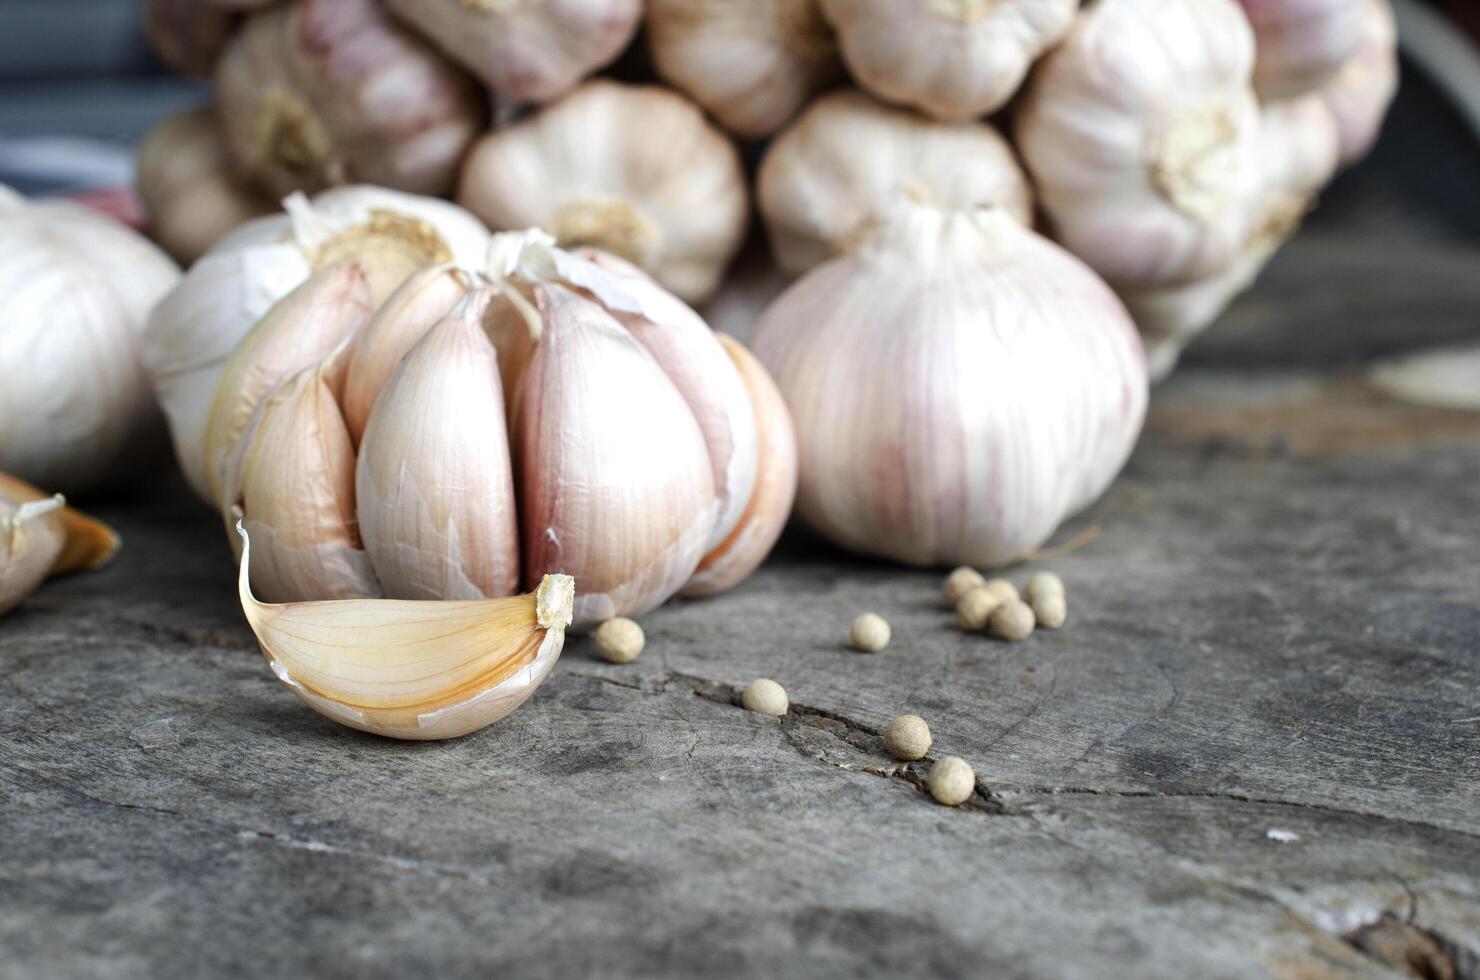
x=1302, y=44
x=825, y=180
x=959, y=386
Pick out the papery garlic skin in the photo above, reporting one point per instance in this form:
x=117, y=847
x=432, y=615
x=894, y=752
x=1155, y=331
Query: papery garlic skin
x=1302, y=44
x=825, y=180
x=953, y=59
x=1140, y=131
x=632, y=170
x=323, y=92
x=526, y=50
x=194, y=329
x=75, y=289
x=959, y=387
x=752, y=63
x=1360, y=93
x=31, y=539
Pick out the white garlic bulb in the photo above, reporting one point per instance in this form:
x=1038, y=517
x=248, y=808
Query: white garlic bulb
x=959, y=387
x=954, y=59
x=1302, y=44
x=635, y=171
x=75, y=290
x=1140, y=131
x=195, y=328
x=824, y=181
x=1363, y=89
x=324, y=92
x=526, y=50
x=189, y=191
x=752, y=63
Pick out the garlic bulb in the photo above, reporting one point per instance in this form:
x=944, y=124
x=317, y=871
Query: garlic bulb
x=323, y=92
x=954, y=59
x=195, y=328
x=527, y=50
x=824, y=181
x=752, y=63
x=187, y=35
x=75, y=289
x=632, y=170
x=1140, y=132
x=959, y=387
x=1363, y=89
x=192, y=197
x=40, y=537
x=1302, y=44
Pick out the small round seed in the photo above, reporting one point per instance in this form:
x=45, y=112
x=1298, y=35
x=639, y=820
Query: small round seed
x=962, y=581
x=1042, y=585
x=766, y=697
x=976, y=608
x=1051, y=610
x=1004, y=589
x=619, y=640
x=951, y=781
x=1013, y=621
x=907, y=738
x=870, y=633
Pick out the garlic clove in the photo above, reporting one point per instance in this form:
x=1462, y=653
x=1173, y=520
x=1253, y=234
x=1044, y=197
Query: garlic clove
x=412, y=670
x=421, y=301
x=298, y=332
x=1360, y=93
x=753, y=64
x=747, y=545
x=31, y=540
x=88, y=544
x=434, y=482
x=614, y=477
x=824, y=181
x=1302, y=44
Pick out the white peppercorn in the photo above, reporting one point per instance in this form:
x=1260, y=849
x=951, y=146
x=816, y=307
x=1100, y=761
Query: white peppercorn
x=976, y=608
x=1051, y=610
x=1043, y=584
x=962, y=581
x=951, y=781
x=619, y=640
x=1013, y=621
x=907, y=737
x=764, y=696
x=870, y=633
x=1004, y=589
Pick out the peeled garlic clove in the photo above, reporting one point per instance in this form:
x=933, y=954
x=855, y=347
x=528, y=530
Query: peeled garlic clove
x=741, y=552
x=1360, y=93
x=187, y=35
x=959, y=386
x=526, y=51
x=825, y=180
x=434, y=483
x=1141, y=131
x=413, y=670
x=622, y=498
x=323, y=92
x=88, y=544
x=404, y=319
x=31, y=540
x=954, y=59
x=632, y=170
x=752, y=64
x=1302, y=44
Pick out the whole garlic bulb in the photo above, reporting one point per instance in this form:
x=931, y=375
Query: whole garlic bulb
x=959, y=387
x=195, y=328
x=954, y=59
x=1140, y=131
x=1363, y=89
x=324, y=92
x=526, y=50
x=189, y=191
x=1302, y=44
x=635, y=171
x=752, y=63
x=75, y=290
x=825, y=180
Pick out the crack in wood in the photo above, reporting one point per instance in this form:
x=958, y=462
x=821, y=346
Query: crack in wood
x=1411, y=949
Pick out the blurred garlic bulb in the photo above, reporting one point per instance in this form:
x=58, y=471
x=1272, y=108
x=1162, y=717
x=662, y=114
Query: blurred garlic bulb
x=635, y=171
x=1140, y=132
x=188, y=35
x=189, y=191
x=959, y=387
x=324, y=92
x=1302, y=44
x=825, y=180
x=752, y=63
x=41, y=537
x=195, y=328
x=75, y=289
x=1363, y=89
x=526, y=50
x=953, y=59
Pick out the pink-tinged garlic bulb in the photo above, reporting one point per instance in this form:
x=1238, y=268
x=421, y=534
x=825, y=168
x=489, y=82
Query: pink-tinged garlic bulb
x=526, y=50
x=189, y=191
x=325, y=92
x=635, y=171
x=959, y=386
x=953, y=59
x=188, y=35
x=824, y=182
x=1140, y=131
x=1302, y=44
x=1363, y=89
x=752, y=63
